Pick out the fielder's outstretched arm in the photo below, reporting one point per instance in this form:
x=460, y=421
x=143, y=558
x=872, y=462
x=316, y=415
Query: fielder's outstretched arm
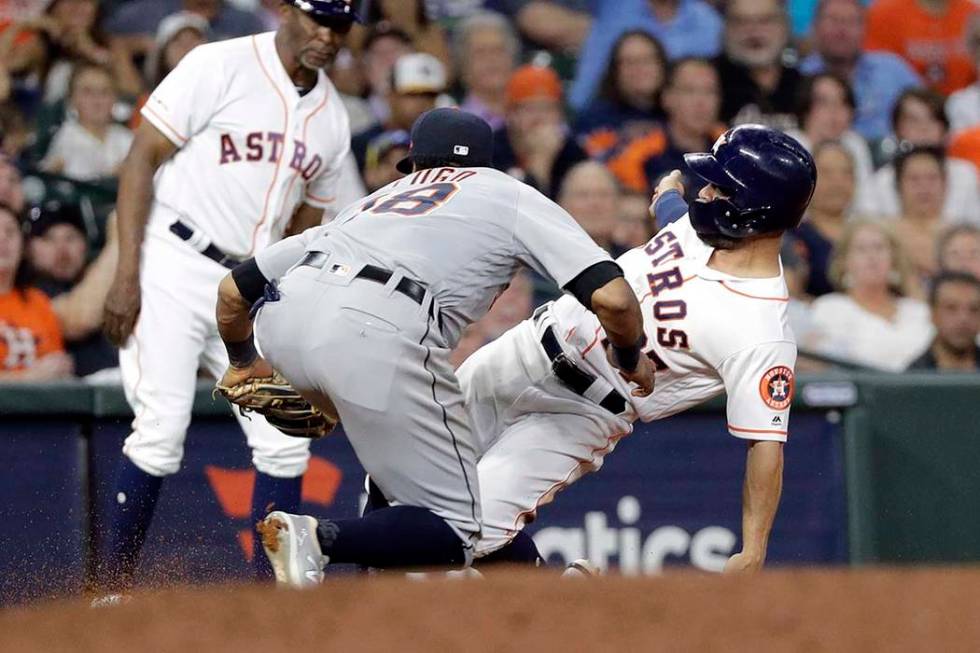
x=760, y=499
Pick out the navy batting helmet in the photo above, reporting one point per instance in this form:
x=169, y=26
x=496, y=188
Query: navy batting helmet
x=767, y=177
x=328, y=12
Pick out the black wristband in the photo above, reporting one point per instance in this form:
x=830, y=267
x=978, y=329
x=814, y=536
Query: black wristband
x=627, y=358
x=242, y=354
x=250, y=280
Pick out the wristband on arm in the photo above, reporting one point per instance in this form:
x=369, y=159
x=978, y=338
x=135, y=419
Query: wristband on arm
x=627, y=358
x=242, y=354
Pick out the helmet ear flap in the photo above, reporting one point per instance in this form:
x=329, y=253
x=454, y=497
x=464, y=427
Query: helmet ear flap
x=713, y=218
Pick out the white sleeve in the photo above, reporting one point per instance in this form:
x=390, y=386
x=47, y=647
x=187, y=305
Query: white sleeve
x=550, y=241
x=186, y=100
x=760, y=384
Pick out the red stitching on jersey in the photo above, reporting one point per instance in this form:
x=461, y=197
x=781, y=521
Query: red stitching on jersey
x=741, y=430
x=738, y=292
x=156, y=115
x=306, y=124
x=560, y=485
x=282, y=154
x=594, y=342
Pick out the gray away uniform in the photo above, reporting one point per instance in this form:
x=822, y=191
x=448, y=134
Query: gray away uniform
x=382, y=356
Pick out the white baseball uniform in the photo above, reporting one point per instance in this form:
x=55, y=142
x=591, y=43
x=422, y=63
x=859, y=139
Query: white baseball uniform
x=250, y=150
x=707, y=333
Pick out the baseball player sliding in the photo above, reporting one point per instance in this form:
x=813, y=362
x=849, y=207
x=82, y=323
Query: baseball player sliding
x=360, y=316
x=241, y=142
x=545, y=404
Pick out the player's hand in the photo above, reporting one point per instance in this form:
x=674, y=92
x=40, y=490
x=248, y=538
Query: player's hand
x=122, y=308
x=743, y=563
x=672, y=181
x=260, y=368
x=643, y=376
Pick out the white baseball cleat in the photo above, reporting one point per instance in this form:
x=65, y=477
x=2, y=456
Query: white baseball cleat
x=581, y=568
x=292, y=547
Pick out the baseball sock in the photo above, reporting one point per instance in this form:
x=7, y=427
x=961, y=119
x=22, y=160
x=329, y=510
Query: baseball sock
x=520, y=551
x=134, y=500
x=271, y=493
x=399, y=536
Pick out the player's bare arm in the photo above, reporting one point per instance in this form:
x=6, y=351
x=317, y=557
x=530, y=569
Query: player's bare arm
x=760, y=499
x=149, y=151
x=619, y=313
x=306, y=216
x=235, y=329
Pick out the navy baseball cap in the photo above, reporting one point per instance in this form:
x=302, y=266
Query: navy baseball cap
x=328, y=12
x=451, y=135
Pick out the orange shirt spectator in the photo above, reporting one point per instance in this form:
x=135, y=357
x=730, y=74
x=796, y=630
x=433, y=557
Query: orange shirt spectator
x=966, y=145
x=31, y=346
x=929, y=34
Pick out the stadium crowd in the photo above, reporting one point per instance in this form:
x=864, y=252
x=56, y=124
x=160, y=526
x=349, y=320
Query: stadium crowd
x=592, y=102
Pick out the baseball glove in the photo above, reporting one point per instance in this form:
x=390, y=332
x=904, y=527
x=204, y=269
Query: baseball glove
x=281, y=405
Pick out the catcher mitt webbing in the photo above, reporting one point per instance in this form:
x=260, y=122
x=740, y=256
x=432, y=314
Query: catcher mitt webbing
x=281, y=405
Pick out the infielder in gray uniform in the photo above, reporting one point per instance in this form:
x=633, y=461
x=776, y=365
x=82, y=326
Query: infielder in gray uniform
x=361, y=316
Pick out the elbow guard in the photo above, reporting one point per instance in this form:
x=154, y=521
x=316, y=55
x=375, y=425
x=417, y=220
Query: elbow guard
x=250, y=280
x=591, y=279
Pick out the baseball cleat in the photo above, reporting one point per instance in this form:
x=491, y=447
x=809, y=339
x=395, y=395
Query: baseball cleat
x=581, y=568
x=291, y=544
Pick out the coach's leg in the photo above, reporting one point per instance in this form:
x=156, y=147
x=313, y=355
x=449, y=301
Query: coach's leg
x=280, y=462
x=159, y=368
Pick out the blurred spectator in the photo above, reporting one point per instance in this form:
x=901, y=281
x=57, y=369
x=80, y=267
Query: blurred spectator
x=628, y=104
x=869, y=320
x=827, y=214
x=383, y=46
x=412, y=17
x=136, y=21
x=416, y=81
x=486, y=53
x=928, y=34
x=383, y=154
x=31, y=348
x=66, y=34
x=958, y=249
x=825, y=111
x=966, y=146
x=921, y=180
x=919, y=120
x=57, y=251
x=11, y=190
x=177, y=35
x=955, y=303
x=691, y=100
x=536, y=145
x=15, y=133
x=757, y=86
x=963, y=106
x=589, y=193
x=89, y=145
x=634, y=226
x=686, y=28
x=796, y=272
x=877, y=78
x=557, y=25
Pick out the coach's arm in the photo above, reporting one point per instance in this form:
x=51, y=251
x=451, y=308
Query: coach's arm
x=760, y=499
x=150, y=149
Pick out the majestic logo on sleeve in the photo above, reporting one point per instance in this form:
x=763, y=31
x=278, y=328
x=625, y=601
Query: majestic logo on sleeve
x=777, y=387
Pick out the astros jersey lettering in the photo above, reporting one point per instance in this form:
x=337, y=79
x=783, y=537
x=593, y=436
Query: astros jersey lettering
x=251, y=148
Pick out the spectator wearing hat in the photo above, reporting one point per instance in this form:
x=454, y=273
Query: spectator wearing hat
x=536, y=146
x=686, y=28
x=137, y=21
x=417, y=80
x=954, y=302
x=57, y=250
x=31, y=348
x=928, y=34
x=485, y=49
x=89, y=145
x=383, y=154
x=877, y=78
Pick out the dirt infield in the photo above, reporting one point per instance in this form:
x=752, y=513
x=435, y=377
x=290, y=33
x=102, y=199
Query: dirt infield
x=893, y=610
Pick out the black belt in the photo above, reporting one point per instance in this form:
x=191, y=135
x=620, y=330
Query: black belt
x=575, y=378
x=185, y=233
x=411, y=288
